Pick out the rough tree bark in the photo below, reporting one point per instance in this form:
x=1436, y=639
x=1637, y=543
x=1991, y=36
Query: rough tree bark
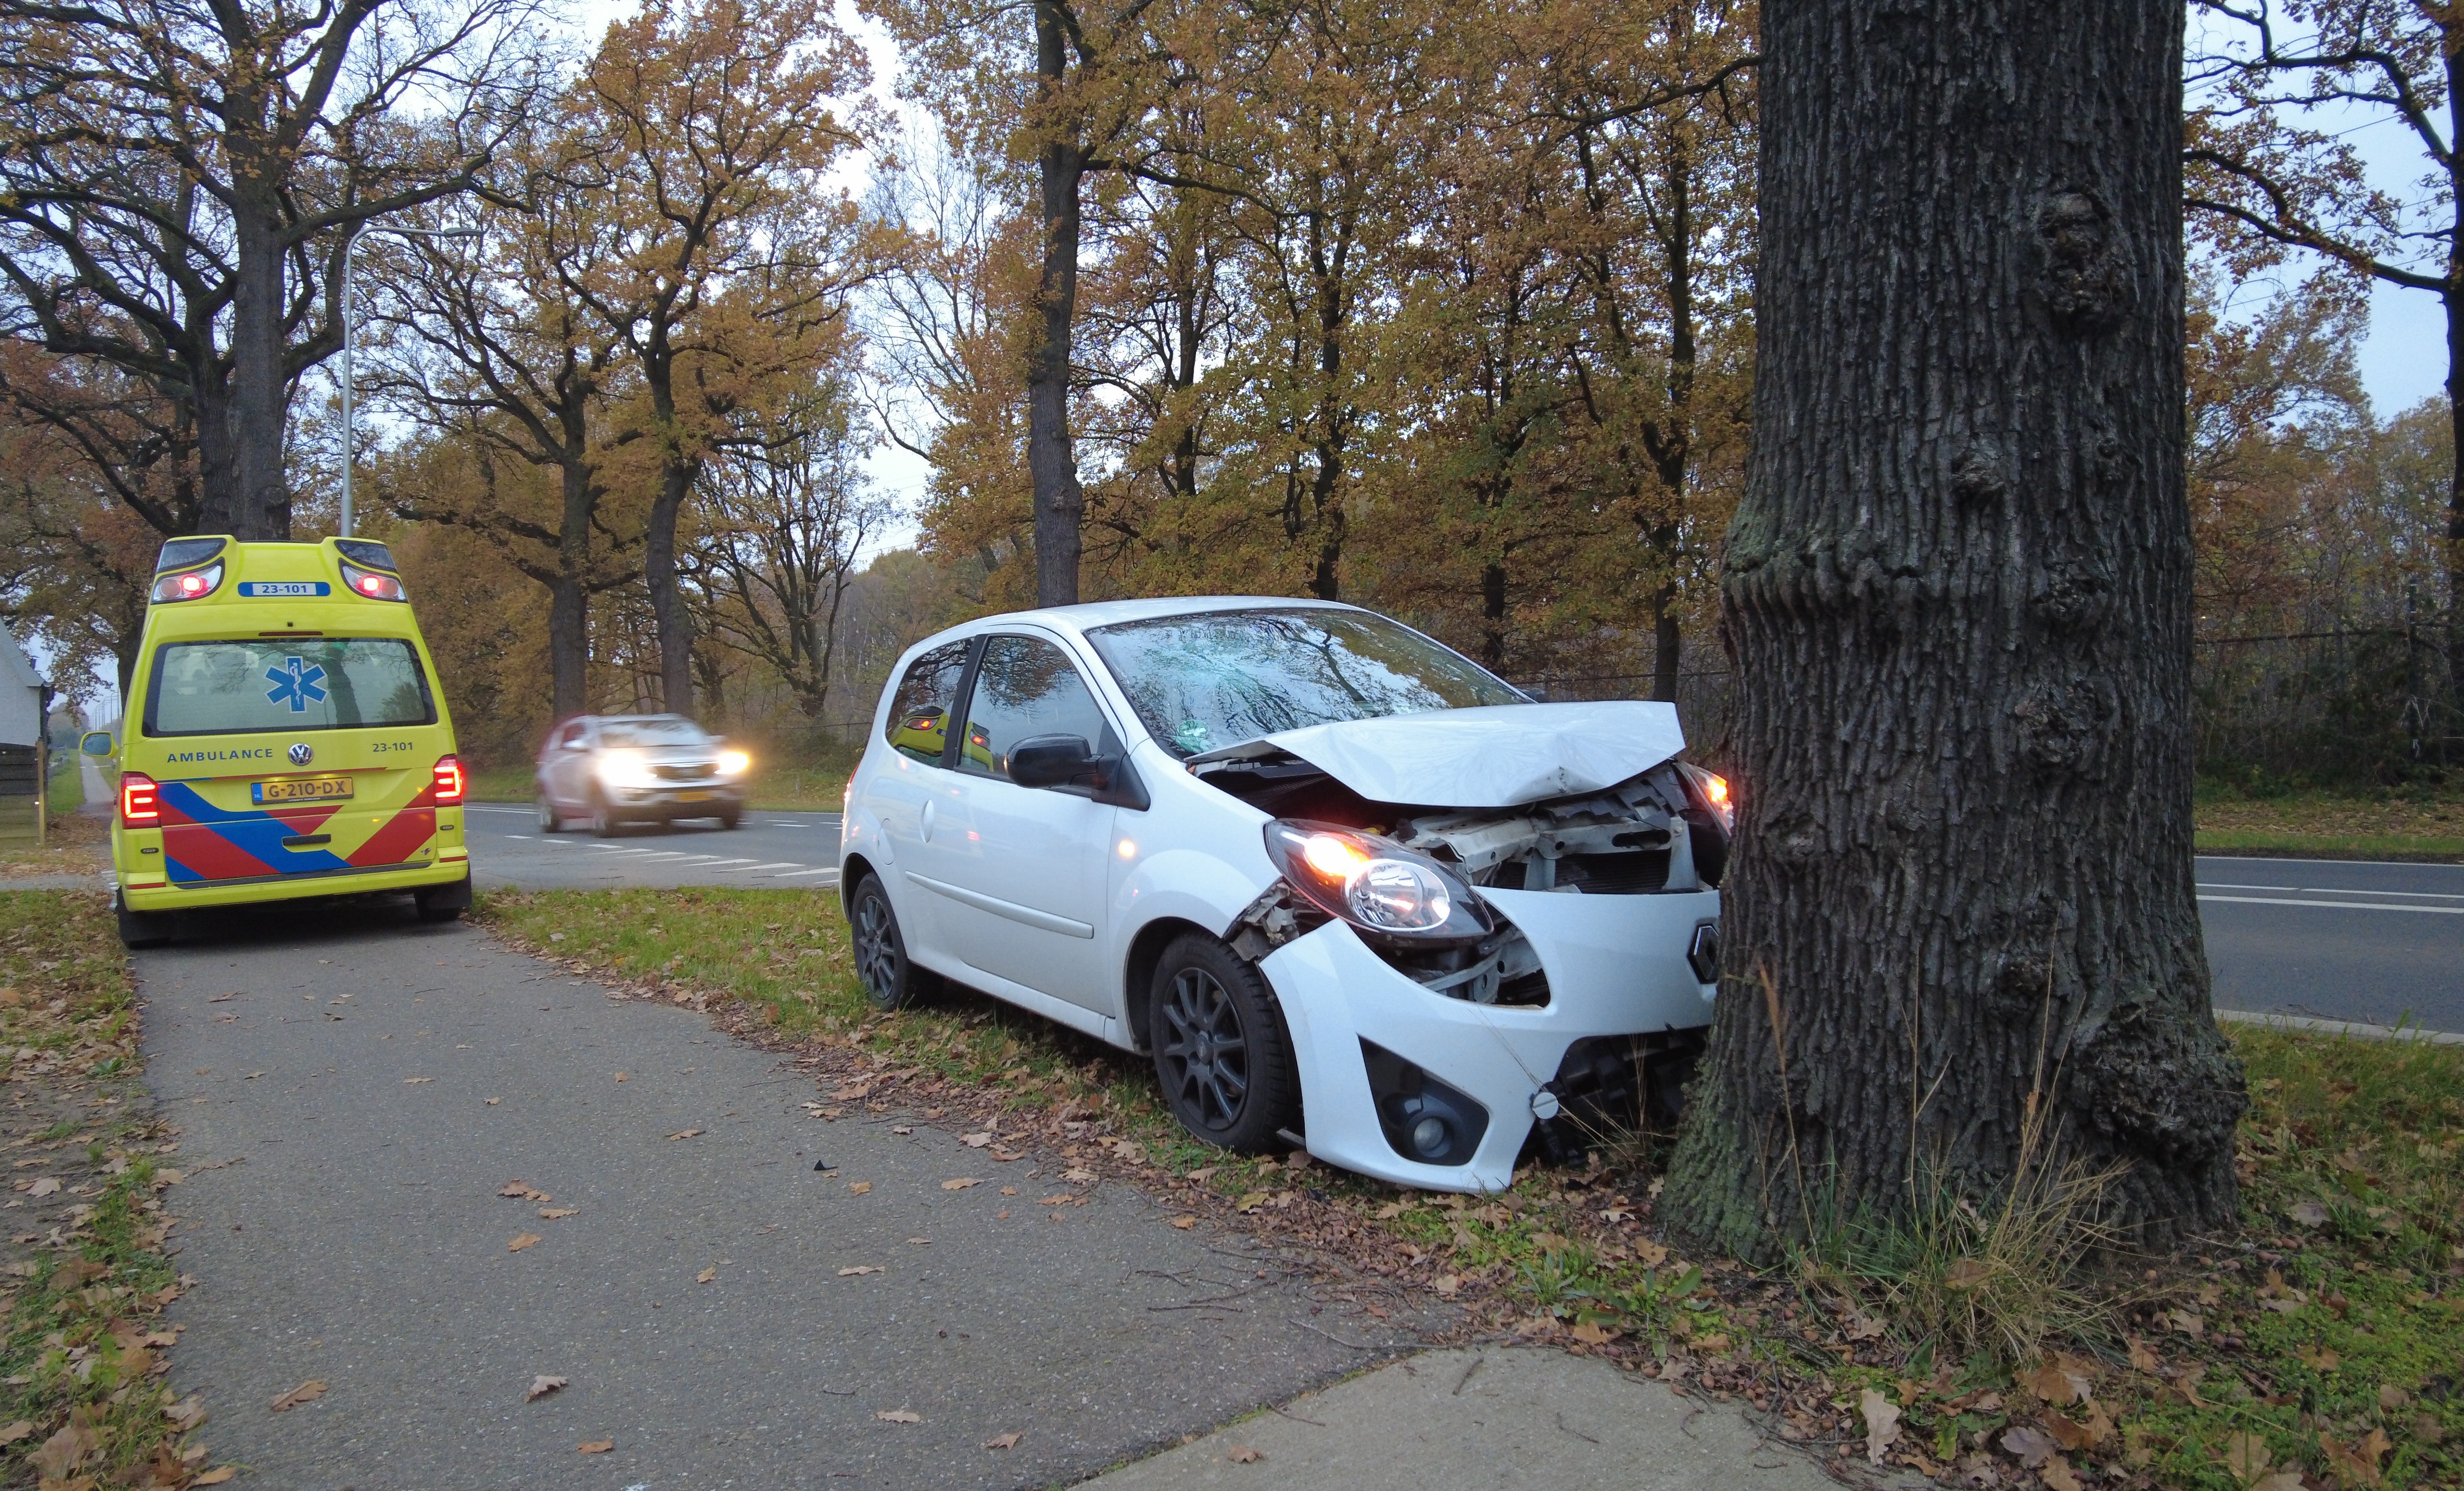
x=1060, y=502
x=1957, y=604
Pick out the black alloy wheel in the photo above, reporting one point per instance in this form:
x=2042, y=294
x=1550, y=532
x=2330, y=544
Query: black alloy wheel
x=1221, y=1049
x=881, y=966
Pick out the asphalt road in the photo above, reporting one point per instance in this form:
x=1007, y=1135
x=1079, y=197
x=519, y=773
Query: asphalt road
x=771, y=850
x=2373, y=943
x=354, y=1089
x=2377, y=943
x=2369, y=942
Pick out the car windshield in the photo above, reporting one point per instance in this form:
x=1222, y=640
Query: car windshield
x=651, y=732
x=287, y=684
x=1221, y=677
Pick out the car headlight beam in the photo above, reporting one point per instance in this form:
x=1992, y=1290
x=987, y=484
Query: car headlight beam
x=733, y=763
x=623, y=768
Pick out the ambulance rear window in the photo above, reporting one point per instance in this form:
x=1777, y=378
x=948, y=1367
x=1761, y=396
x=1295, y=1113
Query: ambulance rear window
x=276, y=683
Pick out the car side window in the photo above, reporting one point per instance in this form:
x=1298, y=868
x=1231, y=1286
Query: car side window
x=919, y=712
x=572, y=735
x=1025, y=687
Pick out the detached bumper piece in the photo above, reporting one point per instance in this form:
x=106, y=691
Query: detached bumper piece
x=1424, y=1120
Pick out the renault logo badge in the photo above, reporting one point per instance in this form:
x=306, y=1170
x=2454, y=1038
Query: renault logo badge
x=302, y=754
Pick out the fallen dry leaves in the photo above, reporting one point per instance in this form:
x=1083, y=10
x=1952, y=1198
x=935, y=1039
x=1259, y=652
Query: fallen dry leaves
x=684, y=1134
x=308, y=1391
x=898, y=1415
x=1881, y=1423
x=597, y=1446
x=2357, y=1464
x=540, y=1386
x=523, y=1191
x=1003, y=1441
x=707, y=1276
x=216, y=1476
x=560, y=1213
x=1243, y=1455
x=959, y=1184
x=859, y=1187
x=861, y=1268
x=525, y=1239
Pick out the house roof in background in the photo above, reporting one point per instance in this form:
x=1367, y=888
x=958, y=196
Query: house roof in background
x=15, y=668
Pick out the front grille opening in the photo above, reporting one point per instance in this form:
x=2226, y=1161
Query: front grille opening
x=1635, y=872
x=1614, y=1089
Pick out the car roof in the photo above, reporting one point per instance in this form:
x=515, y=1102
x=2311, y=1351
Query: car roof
x=1089, y=615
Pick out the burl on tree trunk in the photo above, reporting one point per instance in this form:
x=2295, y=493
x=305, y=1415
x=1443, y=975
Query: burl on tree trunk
x=1957, y=604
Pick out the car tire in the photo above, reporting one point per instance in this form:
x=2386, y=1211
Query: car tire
x=442, y=903
x=603, y=821
x=1220, y=1048
x=882, y=968
x=142, y=929
x=730, y=819
x=548, y=820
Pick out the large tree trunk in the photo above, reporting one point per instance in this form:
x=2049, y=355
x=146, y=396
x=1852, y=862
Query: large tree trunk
x=667, y=598
x=1059, y=500
x=568, y=609
x=1957, y=605
x=256, y=502
x=2452, y=303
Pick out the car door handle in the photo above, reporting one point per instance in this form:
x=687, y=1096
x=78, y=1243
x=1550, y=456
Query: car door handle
x=926, y=827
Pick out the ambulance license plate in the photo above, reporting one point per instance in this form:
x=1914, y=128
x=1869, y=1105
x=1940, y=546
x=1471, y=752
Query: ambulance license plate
x=301, y=789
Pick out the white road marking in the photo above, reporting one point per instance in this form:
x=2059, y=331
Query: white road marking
x=2338, y=906
x=754, y=868
x=2409, y=896
x=792, y=875
x=481, y=807
x=724, y=862
x=516, y=836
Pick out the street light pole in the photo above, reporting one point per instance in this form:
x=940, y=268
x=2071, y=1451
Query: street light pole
x=350, y=327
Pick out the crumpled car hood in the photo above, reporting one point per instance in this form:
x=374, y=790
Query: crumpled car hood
x=1499, y=756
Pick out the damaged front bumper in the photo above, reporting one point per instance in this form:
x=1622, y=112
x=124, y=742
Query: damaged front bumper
x=1388, y=1067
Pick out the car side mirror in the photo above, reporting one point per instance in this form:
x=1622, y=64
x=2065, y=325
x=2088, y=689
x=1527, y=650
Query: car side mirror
x=1052, y=762
x=96, y=742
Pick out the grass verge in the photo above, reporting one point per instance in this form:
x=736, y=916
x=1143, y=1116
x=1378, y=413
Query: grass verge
x=2317, y=1348
x=2420, y=822
x=82, y=1362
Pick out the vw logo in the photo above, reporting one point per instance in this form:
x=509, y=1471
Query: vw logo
x=302, y=754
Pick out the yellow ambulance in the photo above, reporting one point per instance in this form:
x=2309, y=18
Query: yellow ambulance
x=285, y=738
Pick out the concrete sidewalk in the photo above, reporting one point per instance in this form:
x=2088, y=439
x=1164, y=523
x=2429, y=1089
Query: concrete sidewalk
x=1490, y=1416
x=356, y=1089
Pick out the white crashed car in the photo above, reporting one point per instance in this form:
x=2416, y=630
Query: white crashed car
x=1350, y=890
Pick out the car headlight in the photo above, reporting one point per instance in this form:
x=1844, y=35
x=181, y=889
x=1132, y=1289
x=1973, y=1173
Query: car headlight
x=733, y=763
x=1712, y=789
x=1375, y=884
x=624, y=769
